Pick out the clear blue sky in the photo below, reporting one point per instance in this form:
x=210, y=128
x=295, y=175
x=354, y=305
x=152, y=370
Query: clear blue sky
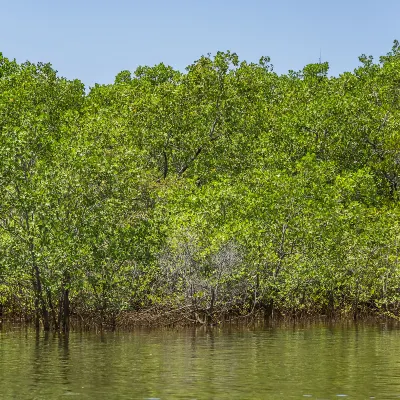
x=94, y=40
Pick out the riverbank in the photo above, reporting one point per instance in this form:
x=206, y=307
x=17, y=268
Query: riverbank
x=186, y=317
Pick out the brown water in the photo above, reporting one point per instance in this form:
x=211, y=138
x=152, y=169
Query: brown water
x=317, y=362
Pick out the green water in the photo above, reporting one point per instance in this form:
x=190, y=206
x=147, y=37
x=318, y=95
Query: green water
x=298, y=362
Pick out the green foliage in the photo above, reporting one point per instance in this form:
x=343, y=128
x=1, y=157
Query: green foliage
x=223, y=189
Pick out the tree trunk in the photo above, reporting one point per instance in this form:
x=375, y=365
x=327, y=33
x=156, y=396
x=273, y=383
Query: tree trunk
x=53, y=311
x=211, y=308
x=37, y=313
x=40, y=305
x=66, y=311
x=269, y=309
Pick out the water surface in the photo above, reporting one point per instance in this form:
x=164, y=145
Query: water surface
x=319, y=361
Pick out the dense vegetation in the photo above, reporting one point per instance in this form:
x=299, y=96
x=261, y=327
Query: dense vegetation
x=222, y=191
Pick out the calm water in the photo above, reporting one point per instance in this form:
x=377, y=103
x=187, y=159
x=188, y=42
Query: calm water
x=318, y=361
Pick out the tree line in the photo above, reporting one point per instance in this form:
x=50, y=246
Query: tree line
x=222, y=191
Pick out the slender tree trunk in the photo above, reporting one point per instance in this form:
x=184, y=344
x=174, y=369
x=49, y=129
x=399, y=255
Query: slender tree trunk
x=53, y=311
x=269, y=309
x=256, y=290
x=37, y=312
x=60, y=307
x=40, y=305
x=355, y=311
x=64, y=305
x=46, y=320
x=331, y=304
x=211, y=309
x=66, y=311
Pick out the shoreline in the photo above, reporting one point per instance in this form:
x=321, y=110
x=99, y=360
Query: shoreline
x=130, y=321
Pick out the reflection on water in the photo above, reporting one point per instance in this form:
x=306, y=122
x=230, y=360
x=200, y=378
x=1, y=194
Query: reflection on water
x=317, y=361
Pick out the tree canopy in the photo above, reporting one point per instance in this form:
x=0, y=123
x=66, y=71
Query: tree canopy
x=225, y=190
